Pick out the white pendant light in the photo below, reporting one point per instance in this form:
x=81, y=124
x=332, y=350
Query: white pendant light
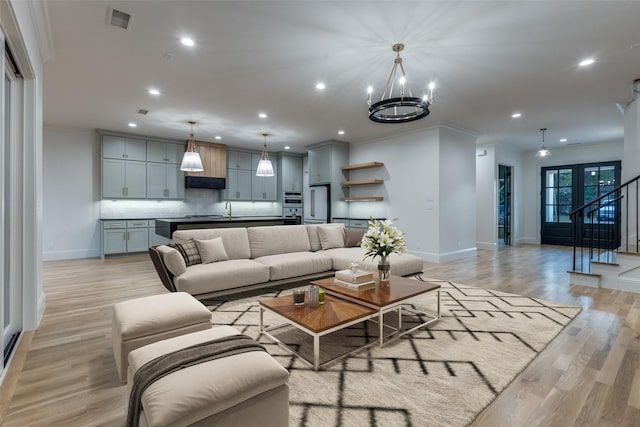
x=191, y=161
x=265, y=168
x=543, y=151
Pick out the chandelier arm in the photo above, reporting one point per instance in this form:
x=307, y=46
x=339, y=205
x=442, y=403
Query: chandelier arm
x=406, y=82
x=389, y=85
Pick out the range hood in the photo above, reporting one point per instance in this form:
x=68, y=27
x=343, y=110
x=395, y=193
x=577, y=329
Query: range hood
x=205, y=182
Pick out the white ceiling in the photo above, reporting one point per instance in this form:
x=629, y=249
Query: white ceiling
x=488, y=59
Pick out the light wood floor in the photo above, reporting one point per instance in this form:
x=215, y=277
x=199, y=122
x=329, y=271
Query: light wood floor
x=64, y=373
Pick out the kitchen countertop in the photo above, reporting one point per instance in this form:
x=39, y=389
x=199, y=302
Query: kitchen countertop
x=166, y=226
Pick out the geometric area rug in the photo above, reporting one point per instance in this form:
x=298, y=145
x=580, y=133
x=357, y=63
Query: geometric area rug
x=442, y=375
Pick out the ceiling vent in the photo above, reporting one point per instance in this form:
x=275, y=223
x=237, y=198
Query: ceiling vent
x=142, y=111
x=119, y=19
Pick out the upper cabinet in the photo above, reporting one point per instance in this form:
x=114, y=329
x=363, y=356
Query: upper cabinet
x=320, y=165
x=290, y=173
x=164, y=152
x=214, y=159
x=239, y=160
x=326, y=160
x=119, y=147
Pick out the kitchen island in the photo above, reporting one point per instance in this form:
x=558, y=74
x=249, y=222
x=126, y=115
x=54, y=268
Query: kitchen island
x=166, y=226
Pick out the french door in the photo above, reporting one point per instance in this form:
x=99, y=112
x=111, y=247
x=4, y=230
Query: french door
x=565, y=188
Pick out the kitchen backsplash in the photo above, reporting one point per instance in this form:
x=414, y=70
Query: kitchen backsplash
x=196, y=202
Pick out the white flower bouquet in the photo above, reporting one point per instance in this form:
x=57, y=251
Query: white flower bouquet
x=382, y=239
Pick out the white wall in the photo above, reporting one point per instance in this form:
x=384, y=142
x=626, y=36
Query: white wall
x=423, y=192
x=71, y=194
x=486, y=197
x=575, y=154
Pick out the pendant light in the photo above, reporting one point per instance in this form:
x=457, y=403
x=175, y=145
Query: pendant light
x=191, y=161
x=265, y=168
x=543, y=151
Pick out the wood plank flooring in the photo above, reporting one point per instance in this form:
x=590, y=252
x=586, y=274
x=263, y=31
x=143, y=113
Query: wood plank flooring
x=64, y=373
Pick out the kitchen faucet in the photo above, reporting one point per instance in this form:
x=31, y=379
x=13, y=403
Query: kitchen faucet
x=228, y=204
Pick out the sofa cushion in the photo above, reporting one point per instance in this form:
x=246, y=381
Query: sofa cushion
x=173, y=260
x=314, y=238
x=205, y=278
x=235, y=240
x=277, y=239
x=352, y=238
x=284, y=266
x=401, y=264
x=189, y=252
x=331, y=237
x=211, y=250
x=199, y=391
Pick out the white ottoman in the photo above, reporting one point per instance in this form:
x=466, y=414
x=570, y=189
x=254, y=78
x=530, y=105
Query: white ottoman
x=143, y=321
x=243, y=390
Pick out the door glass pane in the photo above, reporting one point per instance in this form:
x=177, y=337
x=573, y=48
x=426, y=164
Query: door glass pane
x=566, y=178
x=551, y=213
x=591, y=176
x=552, y=196
x=552, y=178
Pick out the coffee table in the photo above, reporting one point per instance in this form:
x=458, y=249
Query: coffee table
x=345, y=307
x=385, y=298
x=323, y=319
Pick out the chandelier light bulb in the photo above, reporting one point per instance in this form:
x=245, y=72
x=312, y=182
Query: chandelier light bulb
x=402, y=80
x=370, y=90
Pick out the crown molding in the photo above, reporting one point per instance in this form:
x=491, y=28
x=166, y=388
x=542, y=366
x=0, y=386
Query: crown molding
x=39, y=12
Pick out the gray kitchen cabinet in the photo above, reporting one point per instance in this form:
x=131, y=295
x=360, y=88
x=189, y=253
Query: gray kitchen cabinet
x=120, y=147
x=124, y=179
x=238, y=184
x=164, y=152
x=238, y=160
x=263, y=188
x=290, y=173
x=164, y=181
x=320, y=165
x=125, y=236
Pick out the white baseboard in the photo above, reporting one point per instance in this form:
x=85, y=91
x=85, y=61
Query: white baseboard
x=73, y=254
x=531, y=240
x=487, y=245
x=446, y=257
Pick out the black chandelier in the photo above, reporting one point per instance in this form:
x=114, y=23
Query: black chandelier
x=399, y=109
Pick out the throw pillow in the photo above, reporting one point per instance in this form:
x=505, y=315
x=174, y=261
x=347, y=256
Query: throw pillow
x=189, y=252
x=352, y=238
x=331, y=237
x=173, y=260
x=212, y=250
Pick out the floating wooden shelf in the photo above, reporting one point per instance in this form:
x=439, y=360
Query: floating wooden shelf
x=363, y=199
x=363, y=166
x=362, y=182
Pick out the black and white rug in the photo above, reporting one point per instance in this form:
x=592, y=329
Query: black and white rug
x=443, y=375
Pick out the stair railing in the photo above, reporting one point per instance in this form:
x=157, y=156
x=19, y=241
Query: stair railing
x=602, y=232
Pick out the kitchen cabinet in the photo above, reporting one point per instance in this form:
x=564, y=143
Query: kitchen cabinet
x=239, y=160
x=164, y=152
x=290, y=173
x=124, y=179
x=120, y=147
x=125, y=236
x=238, y=184
x=214, y=159
x=263, y=188
x=164, y=181
x=320, y=165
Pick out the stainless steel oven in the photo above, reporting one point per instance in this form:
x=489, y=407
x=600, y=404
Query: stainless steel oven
x=292, y=208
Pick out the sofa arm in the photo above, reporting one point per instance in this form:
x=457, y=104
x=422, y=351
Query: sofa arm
x=165, y=276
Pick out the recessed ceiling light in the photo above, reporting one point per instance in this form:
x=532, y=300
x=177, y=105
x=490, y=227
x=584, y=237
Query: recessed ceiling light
x=133, y=125
x=586, y=62
x=320, y=86
x=340, y=132
x=154, y=91
x=563, y=140
x=217, y=137
x=516, y=115
x=187, y=41
x=286, y=147
x=262, y=115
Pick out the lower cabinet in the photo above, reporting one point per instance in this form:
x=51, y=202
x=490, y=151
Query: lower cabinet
x=119, y=237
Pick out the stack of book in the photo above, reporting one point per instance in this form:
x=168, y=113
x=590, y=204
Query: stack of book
x=358, y=280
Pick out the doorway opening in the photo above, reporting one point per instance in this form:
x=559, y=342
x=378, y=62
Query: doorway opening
x=504, y=205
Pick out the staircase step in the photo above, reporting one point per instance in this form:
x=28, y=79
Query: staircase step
x=584, y=279
x=614, y=264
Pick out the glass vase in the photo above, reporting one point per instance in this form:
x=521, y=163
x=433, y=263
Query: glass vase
x=383, y=269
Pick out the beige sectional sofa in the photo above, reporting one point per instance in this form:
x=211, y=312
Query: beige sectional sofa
x=235, y=259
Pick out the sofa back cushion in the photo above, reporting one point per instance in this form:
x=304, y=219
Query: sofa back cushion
x=331, y=237
x=235, y=240
x=278, y=239
x=314, y=238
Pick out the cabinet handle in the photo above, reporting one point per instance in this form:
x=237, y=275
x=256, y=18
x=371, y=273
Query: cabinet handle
x=126, y=235
x=264, y=195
